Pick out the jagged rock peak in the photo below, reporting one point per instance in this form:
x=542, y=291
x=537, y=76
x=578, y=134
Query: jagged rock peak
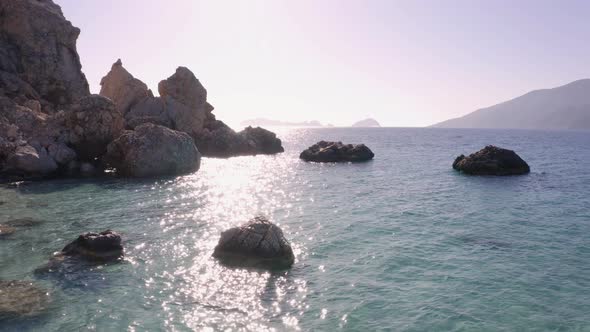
x=122, y=88
x=184, y=86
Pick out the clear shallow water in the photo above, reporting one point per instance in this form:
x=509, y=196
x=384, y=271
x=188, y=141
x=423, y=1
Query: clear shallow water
x=401, y=243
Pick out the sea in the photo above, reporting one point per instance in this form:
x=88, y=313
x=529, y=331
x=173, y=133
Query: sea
x=399, y=243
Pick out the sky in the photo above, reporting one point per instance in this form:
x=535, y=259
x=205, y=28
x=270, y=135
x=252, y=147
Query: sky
x=405, y=63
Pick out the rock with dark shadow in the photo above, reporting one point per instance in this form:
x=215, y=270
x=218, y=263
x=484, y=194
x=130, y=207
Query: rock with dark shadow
x=258, y=243
x=491, y=160
x=152, y=150
x=337, y=152
x=103, y=246
x=20, y=298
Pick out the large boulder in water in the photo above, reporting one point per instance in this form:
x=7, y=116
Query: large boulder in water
x=20, y=298
x=337, y=152
x=103, y=246
x=261, y=141
x=94, y=123
x=38, y=53
x=219, y=140
x=491, y=160
x=153, y=150
x=256, y=243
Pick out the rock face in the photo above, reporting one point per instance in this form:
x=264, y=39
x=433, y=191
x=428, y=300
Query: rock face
x=30, y=160
x=94, y=123
x=183, y=106
x=51, y=126
x=103, y=246
x=40, y=74
x=38, y=58
x=336, y=152
x=19, y=298
x=258, y=242
x=491, y=160
x=122, y=88
x=153, y=150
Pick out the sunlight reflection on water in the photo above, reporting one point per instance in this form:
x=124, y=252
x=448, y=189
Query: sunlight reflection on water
x=211, y=295
x=399, y=243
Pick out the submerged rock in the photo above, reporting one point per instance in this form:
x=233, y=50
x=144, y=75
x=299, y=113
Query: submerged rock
x=6, y=230
x=20, y=298
x=491, y=160
x=103, y=246
x=23, y=222
x=152, y=150
x=257, y=243
x=336, y=152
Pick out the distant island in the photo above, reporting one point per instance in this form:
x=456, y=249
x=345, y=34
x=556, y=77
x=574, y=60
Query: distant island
x=366, y=123
x=314, y=123
x=563, y=107
x=278, y=123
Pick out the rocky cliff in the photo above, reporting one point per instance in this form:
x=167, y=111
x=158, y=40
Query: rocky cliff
x=183, y=106
x=50, y=124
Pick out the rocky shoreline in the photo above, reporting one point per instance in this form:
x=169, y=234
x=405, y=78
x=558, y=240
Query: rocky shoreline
x=51, y=126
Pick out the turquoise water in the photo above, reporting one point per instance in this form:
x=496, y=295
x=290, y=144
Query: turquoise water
x=401, y=243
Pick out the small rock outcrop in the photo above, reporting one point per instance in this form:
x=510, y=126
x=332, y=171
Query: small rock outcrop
x=257, y=243
x=20, y=298
x=153, y=150
x=221, y=141
x=491, y=160
x=337, y=152
x=261, y=141
x=103, y=246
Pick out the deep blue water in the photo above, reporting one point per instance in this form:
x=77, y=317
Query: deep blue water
x=401, y=243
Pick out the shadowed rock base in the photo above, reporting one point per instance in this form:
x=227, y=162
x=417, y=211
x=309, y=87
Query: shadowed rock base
x=258, y=243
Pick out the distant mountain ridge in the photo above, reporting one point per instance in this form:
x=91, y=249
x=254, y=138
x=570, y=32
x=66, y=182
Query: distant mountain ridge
x=563, y=107
x=278, y=123
x=366, y=123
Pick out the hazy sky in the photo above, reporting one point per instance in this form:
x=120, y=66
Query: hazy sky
x=405, y=63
